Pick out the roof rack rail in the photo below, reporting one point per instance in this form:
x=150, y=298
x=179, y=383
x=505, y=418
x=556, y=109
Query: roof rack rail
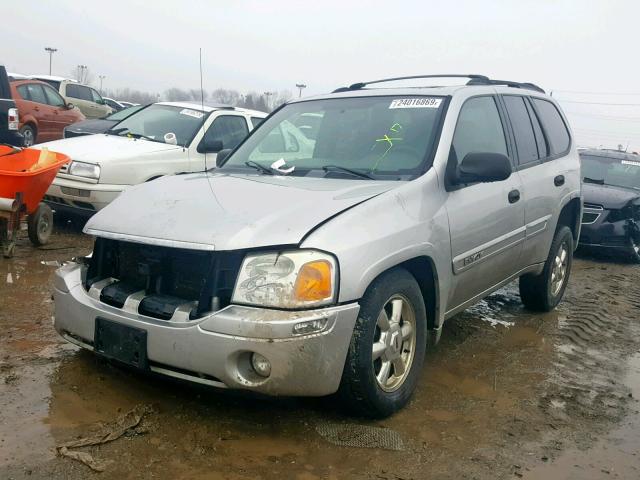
x=474, y=79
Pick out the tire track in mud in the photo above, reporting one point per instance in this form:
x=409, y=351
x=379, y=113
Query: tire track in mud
x=597, y=331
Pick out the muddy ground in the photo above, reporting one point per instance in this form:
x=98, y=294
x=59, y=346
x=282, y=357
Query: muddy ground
x=506, y=394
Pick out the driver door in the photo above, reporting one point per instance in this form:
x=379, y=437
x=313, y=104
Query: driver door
x=486, y=220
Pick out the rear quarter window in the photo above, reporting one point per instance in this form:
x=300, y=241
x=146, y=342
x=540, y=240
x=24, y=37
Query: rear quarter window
x=553, y=125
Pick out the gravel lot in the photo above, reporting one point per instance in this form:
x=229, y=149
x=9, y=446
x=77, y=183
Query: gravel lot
x=506, y=394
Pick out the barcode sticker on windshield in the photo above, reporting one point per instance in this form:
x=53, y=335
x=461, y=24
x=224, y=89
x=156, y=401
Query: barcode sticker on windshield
x=416, y=103
x=630, y=162
x=191, y=113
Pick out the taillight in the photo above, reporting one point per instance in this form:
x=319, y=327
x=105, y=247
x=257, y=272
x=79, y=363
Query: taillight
x=13, y=118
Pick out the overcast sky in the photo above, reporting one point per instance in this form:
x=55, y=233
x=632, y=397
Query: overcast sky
x=564, y=46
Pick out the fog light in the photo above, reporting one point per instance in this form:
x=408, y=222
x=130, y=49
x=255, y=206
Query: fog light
x=310, y=326
x=261, y=365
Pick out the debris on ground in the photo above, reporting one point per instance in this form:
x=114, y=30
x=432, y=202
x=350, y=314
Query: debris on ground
x=129, y=422
x=360, y=436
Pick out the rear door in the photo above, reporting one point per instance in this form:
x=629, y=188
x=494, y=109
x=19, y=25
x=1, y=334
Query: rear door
x=41, y=111
x=61, y=115
x=542, y=142
x=486, y=220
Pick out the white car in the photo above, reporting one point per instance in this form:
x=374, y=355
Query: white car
x=160, y=139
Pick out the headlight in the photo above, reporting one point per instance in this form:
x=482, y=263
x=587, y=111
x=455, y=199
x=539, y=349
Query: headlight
x=292, y=279
x=82, y=169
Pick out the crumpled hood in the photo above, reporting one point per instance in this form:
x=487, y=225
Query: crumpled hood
x=608, y=196
x=216, y=211
x=101, y=148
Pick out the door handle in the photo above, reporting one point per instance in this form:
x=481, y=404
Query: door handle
x=514, y=196
x=37, y=109
x=558, y=181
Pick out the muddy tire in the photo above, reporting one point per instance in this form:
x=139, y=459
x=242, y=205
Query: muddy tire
x=543, y=292
x=40, y=225
x=387, y=347
x=634, y=250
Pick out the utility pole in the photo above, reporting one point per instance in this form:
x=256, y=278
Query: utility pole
x=101, y=77
x=300, y=86
x=51, y=51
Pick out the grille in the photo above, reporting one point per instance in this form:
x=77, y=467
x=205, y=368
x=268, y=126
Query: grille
x=163, y=278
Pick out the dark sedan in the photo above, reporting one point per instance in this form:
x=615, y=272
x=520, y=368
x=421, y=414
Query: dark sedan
x=611, y=190
x=99, y=125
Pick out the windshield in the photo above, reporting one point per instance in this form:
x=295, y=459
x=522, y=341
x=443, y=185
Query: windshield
x=619, y=172
x=122, y=114
x=162, y=123
x=385, y=138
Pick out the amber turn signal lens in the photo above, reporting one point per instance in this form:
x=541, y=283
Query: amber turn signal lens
x=314, y=281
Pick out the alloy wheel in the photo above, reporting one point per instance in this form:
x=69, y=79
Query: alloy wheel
x=559, y=269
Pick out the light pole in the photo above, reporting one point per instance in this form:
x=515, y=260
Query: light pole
x=51, y=51
x=101, y=77
x=300, y=86
x=81, y=70
x=268, y=95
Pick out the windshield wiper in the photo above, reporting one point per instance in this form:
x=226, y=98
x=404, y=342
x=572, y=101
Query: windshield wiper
x=119, y=131
x=257, y=166
x=338, y=168
x=593, y=180
x=116, y=131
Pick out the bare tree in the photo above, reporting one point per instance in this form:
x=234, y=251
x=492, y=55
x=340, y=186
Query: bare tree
x=282, y=97
x=82, y=75
x=133, y=96
x=176, y=94
x=226, y=96
x=198, y=95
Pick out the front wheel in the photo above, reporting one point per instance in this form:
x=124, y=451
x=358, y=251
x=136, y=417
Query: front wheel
x=543, y=292
x=387, y=347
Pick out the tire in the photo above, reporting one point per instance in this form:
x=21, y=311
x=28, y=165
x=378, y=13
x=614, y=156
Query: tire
x=543, y=292
x=360, y=389
x=29, y=134
x=40, y=225
x=634, y=250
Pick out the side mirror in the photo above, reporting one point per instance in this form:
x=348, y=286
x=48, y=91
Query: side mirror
x=101, y=102
x=208, y=145
x=70, y=106
x=222, y=156
x=483, y=167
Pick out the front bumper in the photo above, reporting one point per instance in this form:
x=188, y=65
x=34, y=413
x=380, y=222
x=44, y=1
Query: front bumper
x=602, y=233
x=215, y=350
x=73, y=196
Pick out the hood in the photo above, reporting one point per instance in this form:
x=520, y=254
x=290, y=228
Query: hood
x=99, y=125
x=101, y=148
x=215, y=211
x=610, y=197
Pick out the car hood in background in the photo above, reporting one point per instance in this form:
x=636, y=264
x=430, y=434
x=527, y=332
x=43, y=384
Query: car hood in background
x=608, y=196
x=101, y=148
x=89, y=127
x=215, y=211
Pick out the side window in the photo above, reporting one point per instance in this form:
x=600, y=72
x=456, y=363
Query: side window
x=95, y=96
x=554, y=126
x=543, y=149
x=24, y=93
x=479, y=129
x=522, y=129
x=36, y=94
x=229, y=129
x=255, y=121
x=53, y=97
x=78, y=91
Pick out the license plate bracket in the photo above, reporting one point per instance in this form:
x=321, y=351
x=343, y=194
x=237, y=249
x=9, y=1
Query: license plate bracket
x=121, y=342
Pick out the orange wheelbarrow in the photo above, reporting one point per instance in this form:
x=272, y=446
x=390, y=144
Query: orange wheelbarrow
x=25, y=176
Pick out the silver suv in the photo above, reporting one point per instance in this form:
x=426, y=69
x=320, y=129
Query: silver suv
x=307, y=266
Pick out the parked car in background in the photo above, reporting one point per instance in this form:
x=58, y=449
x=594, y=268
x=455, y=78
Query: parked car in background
x=127, y=104
x=44, y=113
x=9, y=117
x=159, y=139
x=114, y=104
x=611, y=189
x=86, y=98
x=327, y=271
x=99, y=125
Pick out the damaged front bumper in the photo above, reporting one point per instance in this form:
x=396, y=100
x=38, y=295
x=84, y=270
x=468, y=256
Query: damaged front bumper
x=216, y=349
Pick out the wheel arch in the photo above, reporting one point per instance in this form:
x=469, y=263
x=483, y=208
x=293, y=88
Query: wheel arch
x=570, y=216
